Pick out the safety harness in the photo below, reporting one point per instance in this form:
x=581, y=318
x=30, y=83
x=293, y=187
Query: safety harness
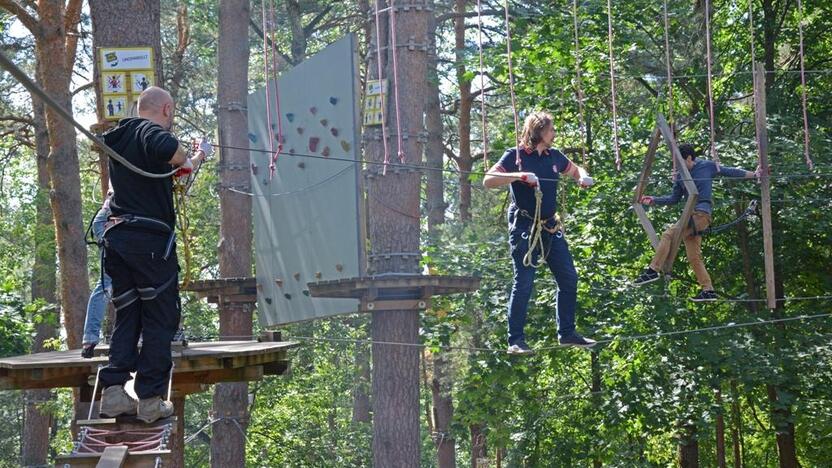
x=535, y=234
x=143, y=222
x=751, y=210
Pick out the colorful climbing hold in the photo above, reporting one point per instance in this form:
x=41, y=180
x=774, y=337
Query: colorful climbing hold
x=300, y=130
x=325, y=152
x=333, y=100
x=290, y=117
x=346, y=145
x=324, y=122
x=313, y=110
x=313, y=144
x=333, y=131
x=252, y=137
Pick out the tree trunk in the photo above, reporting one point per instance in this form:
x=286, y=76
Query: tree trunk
x=183, y=34
x=479, y=449
x=294, y=14
x=231, y=399
x=361, y=396
x=396, y=435
x=443, y=407
x=736, y=429
x=720, y=431
x=37, y=423
x=464, y=159
x=51, y=47
x=434, y=149
x=595, y=365
x=441, y=388
x=688, y=447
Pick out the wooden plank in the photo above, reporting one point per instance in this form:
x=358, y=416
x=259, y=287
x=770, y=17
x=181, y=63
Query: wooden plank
x=646, y=224
x=690, y=187
x=113, y=457
x=765, y=184
x=134, y=460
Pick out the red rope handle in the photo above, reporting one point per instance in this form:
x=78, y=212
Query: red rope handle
x=710, y=83
x=511, y=88
x=612, y=88
x=273, y=164
x=268, y=95
x=582, y=123
x=809, y=162
x=669, y=64
x=392, y=14
x=381, y=87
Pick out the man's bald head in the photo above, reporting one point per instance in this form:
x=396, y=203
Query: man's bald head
x=156, y=104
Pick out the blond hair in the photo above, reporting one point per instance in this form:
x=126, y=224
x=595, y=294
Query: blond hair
x=533, y=128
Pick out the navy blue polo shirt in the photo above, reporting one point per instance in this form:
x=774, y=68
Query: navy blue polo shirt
x=547, y=167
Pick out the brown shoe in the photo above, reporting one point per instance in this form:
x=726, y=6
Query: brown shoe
x=116, y=402
x=154, y=408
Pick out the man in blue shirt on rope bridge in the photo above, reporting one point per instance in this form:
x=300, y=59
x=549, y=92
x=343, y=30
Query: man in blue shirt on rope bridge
x=703, y=172
x=533, y=170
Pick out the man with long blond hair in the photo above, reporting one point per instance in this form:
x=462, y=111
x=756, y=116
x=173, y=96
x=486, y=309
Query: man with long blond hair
x=534, y=166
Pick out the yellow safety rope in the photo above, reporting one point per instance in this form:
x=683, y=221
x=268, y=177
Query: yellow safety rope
x=180, y=188
x=536, y=233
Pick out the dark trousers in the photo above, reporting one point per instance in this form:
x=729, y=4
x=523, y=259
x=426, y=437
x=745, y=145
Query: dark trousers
x=133, y=259
x=562, y=267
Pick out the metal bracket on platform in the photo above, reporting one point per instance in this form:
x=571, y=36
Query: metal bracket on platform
x=380, y=305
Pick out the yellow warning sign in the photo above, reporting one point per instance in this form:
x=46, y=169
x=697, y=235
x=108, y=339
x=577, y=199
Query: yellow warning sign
x=374, y=102
x=125, y=73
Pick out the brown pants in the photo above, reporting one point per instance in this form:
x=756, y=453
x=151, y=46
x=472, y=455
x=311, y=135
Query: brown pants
x=693, y=247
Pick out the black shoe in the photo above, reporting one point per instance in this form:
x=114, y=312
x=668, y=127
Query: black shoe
x=88, y=351
x=519, y=348
x=576, y=340
x=647, y=276
x=705, y=296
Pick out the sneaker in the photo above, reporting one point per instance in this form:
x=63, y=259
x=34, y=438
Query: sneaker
x=116, y=402
x=519, y=348
x=576, y=340
x=647, y=276
x=706, y=295
x=88, y=351
x=154, y=408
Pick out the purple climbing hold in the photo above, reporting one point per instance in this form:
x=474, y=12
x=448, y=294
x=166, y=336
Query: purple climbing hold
x=325, y=152
x=313, y=144
x=313, y=110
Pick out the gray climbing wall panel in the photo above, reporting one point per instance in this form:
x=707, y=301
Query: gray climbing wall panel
x=306, y=218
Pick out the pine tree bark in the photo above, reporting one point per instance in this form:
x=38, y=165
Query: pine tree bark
x=688, y=448
x=231, y=399
x=720, y=431
x=441, y=387
x=394, y=218
x=464, y=160
x=37, y=423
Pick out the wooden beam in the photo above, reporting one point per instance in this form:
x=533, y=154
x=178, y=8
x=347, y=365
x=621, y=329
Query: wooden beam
x=690, y=187
x=765, y=184
x=113, y=457
x=643, y=179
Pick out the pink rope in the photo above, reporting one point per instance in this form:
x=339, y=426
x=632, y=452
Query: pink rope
x=612, y=88
x=669, y=64
x=273, y=164
x=803, y=89
x=482, y=88
x=579, y=90
x=511, y=87
x=396, y=79
x=710, y=84
x=268, y=95
x=381, y=87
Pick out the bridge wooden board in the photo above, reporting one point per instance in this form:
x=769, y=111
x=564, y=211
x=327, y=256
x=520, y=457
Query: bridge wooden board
x=199, y=363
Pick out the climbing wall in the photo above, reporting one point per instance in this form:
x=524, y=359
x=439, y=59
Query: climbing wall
x=306, y=217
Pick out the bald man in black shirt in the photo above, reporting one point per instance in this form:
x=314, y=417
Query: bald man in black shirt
x=140, y=257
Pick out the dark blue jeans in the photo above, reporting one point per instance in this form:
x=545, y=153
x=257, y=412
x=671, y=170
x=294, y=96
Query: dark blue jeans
x=562, y=267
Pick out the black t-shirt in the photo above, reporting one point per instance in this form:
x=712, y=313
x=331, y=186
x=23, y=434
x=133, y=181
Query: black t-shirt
x=547, y=166
x=147, y=146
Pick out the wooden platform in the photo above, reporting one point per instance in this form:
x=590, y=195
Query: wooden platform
x=394, y=292
x=195, y=367
x=225, y=290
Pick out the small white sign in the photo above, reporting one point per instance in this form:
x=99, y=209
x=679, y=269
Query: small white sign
x=139, y=58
